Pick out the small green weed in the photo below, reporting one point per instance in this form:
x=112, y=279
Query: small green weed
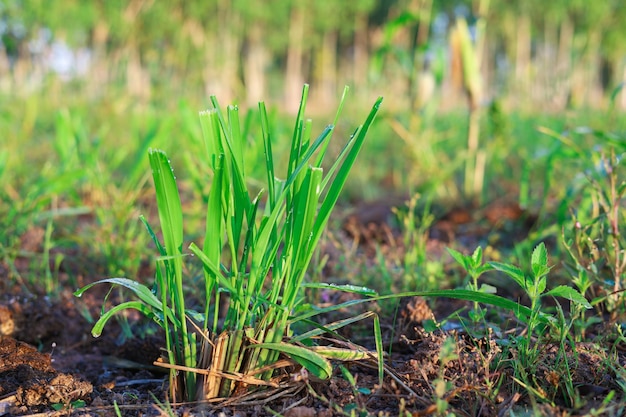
x=474, y=266
x=534, y=285
x=527, y=346
x=420, y=273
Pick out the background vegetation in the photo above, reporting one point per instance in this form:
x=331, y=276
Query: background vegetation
x=533, y=55
x=486, y=102
x=87, y=87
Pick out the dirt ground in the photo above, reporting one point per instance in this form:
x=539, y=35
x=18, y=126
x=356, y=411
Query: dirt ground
x=51, y=365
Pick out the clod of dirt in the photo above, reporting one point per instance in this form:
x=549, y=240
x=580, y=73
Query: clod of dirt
x=417, y=311
x=52, y=389
x=14, y=353
x=30, y=375
x=7, y=324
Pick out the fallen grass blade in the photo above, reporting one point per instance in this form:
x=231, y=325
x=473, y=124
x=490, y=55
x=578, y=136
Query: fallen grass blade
x=313, y=362
x=521, y=312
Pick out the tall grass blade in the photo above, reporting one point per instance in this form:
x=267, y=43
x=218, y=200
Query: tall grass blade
x=379, y=349
x=171, y=220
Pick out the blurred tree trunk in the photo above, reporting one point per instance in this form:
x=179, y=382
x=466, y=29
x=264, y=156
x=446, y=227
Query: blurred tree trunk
x=255, y=61
x=326, y=71
x=522, y=57
x=294, y=78
x=563, y=67
x=422, y=9
x=548, y=58
x=586, y=87
x=360, y=57
x=137, y=78
x=5, y=71
x=100, y=68
x=595, y=93
x=622, y=95
x=222, y=54
x=230, y=42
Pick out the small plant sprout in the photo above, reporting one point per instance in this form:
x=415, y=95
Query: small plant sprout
x=474, y=266
x=268, y=238
x=415, y=237
x=535, y=284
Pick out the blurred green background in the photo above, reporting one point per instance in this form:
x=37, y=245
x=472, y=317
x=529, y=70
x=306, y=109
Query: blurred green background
x=532, y=54
x=86, y=87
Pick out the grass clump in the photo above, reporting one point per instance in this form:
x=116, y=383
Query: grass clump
x=255, y=255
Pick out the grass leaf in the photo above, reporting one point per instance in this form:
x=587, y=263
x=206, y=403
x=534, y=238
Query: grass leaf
x=140, y=290
x=355, y=289
x=96, y=331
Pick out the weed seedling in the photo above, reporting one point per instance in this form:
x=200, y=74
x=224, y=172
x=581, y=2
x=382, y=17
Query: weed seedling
x=534, y=285
x=415, y=236
x=474, y=266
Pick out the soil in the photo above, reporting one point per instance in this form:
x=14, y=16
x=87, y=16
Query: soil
x=51, y=365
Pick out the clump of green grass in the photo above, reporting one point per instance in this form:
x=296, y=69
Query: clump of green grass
x=268, y=238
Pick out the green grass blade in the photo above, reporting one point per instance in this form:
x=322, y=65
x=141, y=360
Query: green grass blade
x=342, y=174
x=355, y=289
x=303, y=163
x=337, y=185
x=153, y=235
x=340, y=158
x=332, y=327
x=379, y=349
x=237, y=139
x=304, y=211
x=322, y=152
x=213, y=269
x=269, y=159
x=211, y=136
x=168, y=201
x=521, y=312
x=171, y=218
x=140, y=290
x=214, y=232
x=96, y=331
x=296, y=140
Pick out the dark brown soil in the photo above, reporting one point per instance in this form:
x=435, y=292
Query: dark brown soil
x=50, y=363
